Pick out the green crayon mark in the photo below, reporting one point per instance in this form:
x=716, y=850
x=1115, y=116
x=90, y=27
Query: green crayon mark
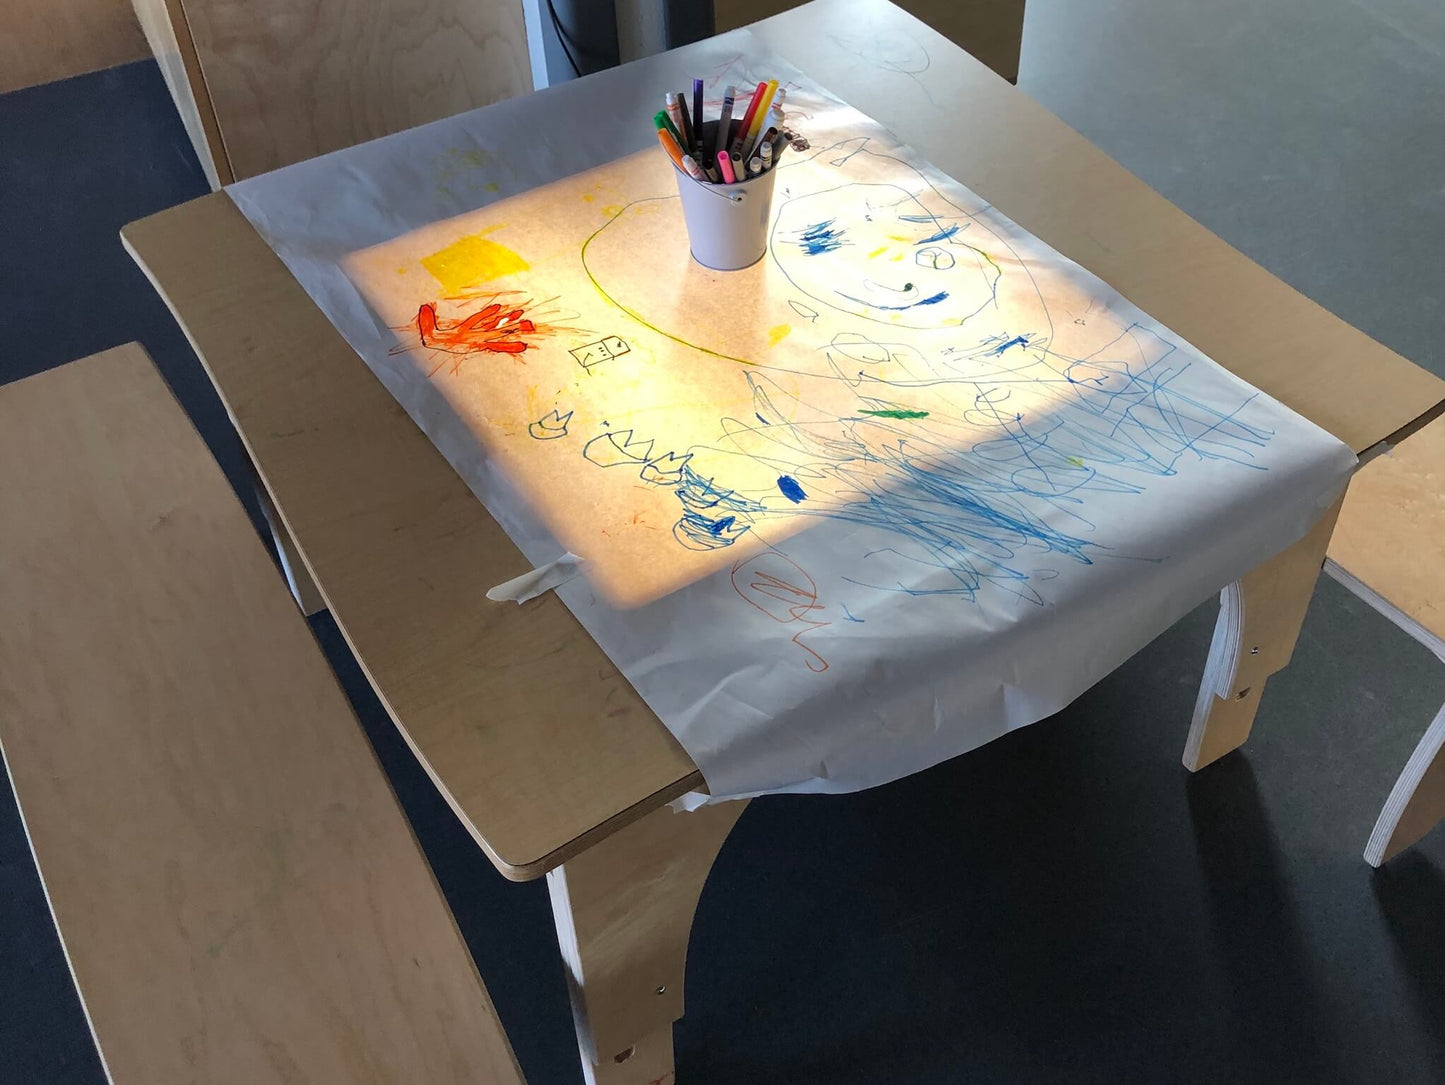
x=896, y=413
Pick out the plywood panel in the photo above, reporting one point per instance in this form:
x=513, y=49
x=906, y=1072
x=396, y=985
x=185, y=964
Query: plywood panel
x=43, y=40
x=991, y=30
x=164, y=24
x=1417, y=801
x=240, y=897
x=1391, y=534
x=291, y=79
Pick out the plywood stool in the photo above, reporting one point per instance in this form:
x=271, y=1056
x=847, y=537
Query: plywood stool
x=239, y=895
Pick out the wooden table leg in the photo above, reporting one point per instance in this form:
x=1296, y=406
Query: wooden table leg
x=1417, y=801
x=1259, y=622
x=624, y=912
x=298, y=579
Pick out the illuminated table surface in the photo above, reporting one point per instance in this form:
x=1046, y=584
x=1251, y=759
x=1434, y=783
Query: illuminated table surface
x=363, y=492
x=541, y=747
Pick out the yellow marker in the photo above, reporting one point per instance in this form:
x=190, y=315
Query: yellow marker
x=778, y=333
x=759, y=114
x=879, y=251
x=471, y=260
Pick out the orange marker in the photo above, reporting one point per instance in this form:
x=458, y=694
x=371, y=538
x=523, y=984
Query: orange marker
x=669, y=145
x=747, y=125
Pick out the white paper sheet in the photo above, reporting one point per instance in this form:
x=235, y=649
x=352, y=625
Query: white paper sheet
x=911, y=481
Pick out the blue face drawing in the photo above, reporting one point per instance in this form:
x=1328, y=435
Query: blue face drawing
x=878, y=252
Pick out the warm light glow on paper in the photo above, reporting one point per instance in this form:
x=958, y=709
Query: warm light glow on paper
x=909, y=481
x=667, y=420
x=471, y=261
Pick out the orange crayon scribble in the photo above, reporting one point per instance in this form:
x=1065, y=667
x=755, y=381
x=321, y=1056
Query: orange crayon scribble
x=779, y=587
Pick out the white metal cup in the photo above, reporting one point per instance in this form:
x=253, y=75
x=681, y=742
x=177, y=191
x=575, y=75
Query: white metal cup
x=727, y=225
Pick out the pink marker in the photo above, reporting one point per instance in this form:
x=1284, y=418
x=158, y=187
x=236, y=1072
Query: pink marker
x=725, y=164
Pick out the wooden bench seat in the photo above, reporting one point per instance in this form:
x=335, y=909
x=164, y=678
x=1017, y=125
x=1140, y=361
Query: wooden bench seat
x=1389, y=548
x=238, y=892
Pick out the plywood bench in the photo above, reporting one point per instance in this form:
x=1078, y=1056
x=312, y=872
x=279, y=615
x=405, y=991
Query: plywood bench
x=239, y=895
x=1389, y=549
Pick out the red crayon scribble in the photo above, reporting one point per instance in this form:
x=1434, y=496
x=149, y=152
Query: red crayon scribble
x=490, y=328
x=781, y=589
x=504, y=323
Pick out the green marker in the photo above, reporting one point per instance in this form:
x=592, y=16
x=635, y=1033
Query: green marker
x=660, y=119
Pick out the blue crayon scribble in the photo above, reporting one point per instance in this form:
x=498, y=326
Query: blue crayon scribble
x=848, y=614
x=550, y=426
x=934, y=258
x=665, y=470
x=934, y=300
x=1016, y=341
x=713, y=516
x=942, y=235
x=820, y=237
x=1004, y=509
x=616, y=447
x=697, y=532
x=789, y=488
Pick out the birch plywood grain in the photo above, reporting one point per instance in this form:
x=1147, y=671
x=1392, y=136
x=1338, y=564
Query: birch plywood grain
x=240, y=897
x=534, y=737
x=1391, y=534
x=44, y=40
x=291, y=79
x=165, y=29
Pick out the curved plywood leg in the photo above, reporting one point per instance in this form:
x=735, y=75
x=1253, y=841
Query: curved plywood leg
x=298, y=578
x=623, y=910
x=1259, y=622
x=1417, y=802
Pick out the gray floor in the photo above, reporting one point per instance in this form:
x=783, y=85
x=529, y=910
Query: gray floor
x=1066, y=904
x=1309, y=134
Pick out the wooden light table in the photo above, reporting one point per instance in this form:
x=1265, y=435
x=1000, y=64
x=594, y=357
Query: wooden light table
x=546, y=753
